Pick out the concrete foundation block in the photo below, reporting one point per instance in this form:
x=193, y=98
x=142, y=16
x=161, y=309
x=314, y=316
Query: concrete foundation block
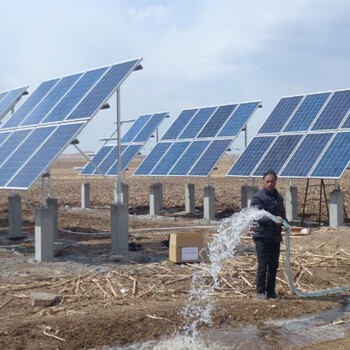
x=15, y=216
x=52, y=203
x=209, y=203
x=44, y=299
x=336, y=209
x=155, y=199
x=85, y=195
x=44, y=234
x=189, y=198
x=119, y=228
x=292, y=203
x=247, y=193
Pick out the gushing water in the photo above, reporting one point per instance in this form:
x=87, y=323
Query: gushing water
x=200, y=303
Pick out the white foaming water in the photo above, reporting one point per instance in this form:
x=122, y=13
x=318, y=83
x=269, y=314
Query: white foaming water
x=200, y=303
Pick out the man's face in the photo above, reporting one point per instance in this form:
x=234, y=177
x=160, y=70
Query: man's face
x=269, y=182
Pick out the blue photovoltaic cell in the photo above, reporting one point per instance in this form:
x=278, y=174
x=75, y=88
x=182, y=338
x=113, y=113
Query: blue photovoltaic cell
x=10, y=99
x=335, y=160
x=187, y=160
x=2, y=95
x=210, y=157
x=170, y=158
x=280, y=114
x=239, y=118
x=51, y=99
x=346, y=123
x=150, y=127
x=96, y=159
x=217, y=121
x=30, y=103
x=278, y=154
x=251, y=156
x=23, y=153
x=77, y=92
x=136, y=127
x=179, y=124
x=334, y=112
x=151, y=160
x=12, y=143
x=47, y=153
x=127, y=156
x=108, y=160
x=103, y=89
x=196, y=124
x=3, y=136
x=307, y=112
x=306, y=155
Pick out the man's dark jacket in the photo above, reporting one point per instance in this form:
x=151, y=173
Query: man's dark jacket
x=265, y=228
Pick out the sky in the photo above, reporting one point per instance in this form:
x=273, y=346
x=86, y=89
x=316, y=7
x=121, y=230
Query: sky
x=195, y=52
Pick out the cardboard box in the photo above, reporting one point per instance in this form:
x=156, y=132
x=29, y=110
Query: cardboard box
x=185, y=247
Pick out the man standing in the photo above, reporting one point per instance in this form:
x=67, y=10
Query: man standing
x=267, y=236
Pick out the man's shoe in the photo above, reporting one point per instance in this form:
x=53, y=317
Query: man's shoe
x=274, y=296
x=261, y=296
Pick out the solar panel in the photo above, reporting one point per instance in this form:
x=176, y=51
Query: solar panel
x=127, y=156
x=51, y=99
x=8, y=100
x=193, y=128
x=217, y=121
x=336, y=158
x=280, y=114
x=179, y=124
x=78, y=91
x=186, y=161
x=239, y=118
x=23, y=153
x=170, y=158
x=96, y=98
x=4, y=136
x=306, y=155
x=209, y=159
x=251, y=156
x=152, y=159
x=30, y=104
x=150, y=127
x=44, y=156
x=96, y=159
x=136, y=127
x=108, y=161
x=334, y=112
x=278, y=154
x=307, y=112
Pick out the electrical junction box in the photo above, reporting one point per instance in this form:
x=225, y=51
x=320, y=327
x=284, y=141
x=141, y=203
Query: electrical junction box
x=185, y=247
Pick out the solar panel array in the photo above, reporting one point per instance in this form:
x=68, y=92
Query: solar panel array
x=105, y=161
x=306, y=136
x=51, y=118
x=196, y=141
x=8, y=99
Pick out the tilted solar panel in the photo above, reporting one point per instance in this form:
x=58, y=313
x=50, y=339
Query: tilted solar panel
x=281, y=113
x=108, y=161
x=136, y=127
x=251, y=156
x=9, y=99
x=127, y=156
x=336, y=158
x=96, y=159
x=150, y=127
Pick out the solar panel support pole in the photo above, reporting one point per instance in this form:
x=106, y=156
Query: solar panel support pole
x=119, y=153
x=245, y=136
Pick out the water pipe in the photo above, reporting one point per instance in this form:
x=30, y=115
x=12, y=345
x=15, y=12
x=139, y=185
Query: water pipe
x=317, y=293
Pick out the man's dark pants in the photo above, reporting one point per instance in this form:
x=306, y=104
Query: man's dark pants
x=268, y=259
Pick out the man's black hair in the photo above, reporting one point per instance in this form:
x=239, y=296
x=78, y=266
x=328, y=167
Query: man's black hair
x=270, y=172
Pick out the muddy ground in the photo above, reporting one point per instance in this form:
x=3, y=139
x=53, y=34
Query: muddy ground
x=111, y=299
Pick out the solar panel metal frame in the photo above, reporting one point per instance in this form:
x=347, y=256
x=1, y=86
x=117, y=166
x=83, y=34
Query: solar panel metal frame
x=14, y=101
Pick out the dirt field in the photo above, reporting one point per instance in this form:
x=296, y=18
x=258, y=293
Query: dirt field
x=109, y=299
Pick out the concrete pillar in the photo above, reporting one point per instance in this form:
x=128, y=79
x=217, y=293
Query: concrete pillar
x=52, y=203
x=15, y=216
x=336, y=209
x=85, y=195
x=292, y=203
x=209, y=203
x=247, y=193
x=189, y=198
x=155, y=198
x=119, y=228
x=44, y=234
